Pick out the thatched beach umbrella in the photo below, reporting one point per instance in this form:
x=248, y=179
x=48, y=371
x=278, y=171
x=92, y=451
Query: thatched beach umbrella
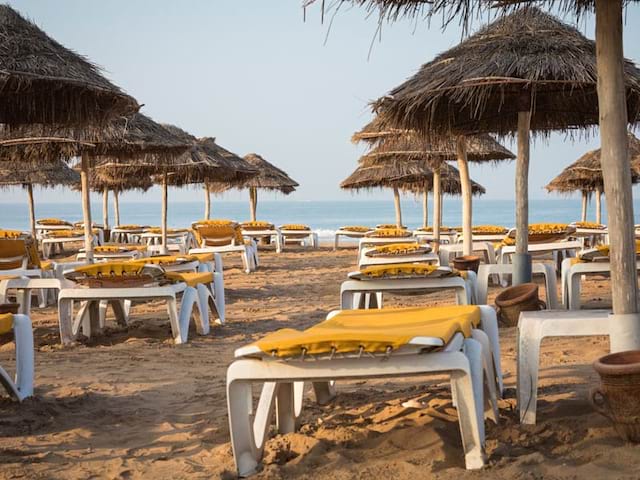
x=394, y=143
x=526, y=71
x=268, y=177
x=404, y=174
x=138, y=146
x=205, y=162
x=43, y=82
x=30, y=174
x=585, y=175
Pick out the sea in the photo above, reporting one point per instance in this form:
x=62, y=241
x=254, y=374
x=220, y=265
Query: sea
x=323, y=216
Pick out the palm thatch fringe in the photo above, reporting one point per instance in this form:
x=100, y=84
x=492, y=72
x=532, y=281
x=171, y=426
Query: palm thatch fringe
x=585, y=174
x=268, y=177
x=43, y=82
x=408, y=175
x=27, y=173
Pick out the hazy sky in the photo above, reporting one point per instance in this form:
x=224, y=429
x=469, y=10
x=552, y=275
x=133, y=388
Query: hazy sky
x=255, y=76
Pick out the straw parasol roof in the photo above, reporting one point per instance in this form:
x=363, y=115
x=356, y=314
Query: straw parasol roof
x=99, y=182
x=43, y=82
x=412, y=145
x=269, y=177
x=206, y=161
x=48, y=175
x=528, y=60
x=411, y=175
x=585, y=174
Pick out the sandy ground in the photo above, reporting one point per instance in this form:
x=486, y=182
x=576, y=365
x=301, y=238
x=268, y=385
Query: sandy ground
x=130, y=404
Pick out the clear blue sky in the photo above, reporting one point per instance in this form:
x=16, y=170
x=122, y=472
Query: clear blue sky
x=254, y=75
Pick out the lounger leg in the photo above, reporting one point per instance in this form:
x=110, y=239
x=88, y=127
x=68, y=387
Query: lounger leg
x=247, y=436
x=346, y=300
x=490, y=393
x=180, y=321
x=24, y=355
x=325, y=392
x=4, y=288
x=218, y=289
x=23, y=297
x=483, y=284
x=285, y=408
x=65, y=321
x=528, y=355
x=489, y=324
x=468, y=388
x=245, y=261
x=119, y=312
x=573, y=281
x=203, y=297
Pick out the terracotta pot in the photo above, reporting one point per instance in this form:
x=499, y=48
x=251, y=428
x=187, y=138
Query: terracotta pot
x=617, y=397
x=467, y=262
x=9, y=308
x=513, y=300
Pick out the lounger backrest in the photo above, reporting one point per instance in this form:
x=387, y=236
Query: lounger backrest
x=53, y=222
x=18, y=250
x=218, y=235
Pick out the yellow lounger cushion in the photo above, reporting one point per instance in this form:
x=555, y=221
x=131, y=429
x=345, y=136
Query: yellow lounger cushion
x=165, y=260
x=295, y=226
x=110, y=268
x=384, y=226
x=407, y=270
x=130, y=227
x=388, y=232
x=53, y=222
x=16, y=246
x=489, y=230
x=158, y=230
x=217, y=235
x=589, y=225
x=356, y=228
x=443, y=229
x=398, y=250
x=204, y=257
x=119, y=248
x=66, y=233
x=373, y=331
x=13, y=234
x=257, y=225
x=600, y=253
x=216, y=221
x=190, y=278
x=6, y=323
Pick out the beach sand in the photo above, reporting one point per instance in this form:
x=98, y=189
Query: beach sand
x=131, y=405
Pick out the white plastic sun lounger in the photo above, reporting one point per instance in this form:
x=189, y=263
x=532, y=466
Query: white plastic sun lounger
x=572, y=275
x=369, y=292
x=347, y=234
x=267, y=233
x=301, y=237
x=22, y=386
x=364, y=260
x=466, y=360
x=366, y=242
x=533, y=327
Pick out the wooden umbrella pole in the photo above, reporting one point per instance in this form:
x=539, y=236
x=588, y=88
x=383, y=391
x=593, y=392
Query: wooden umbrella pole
x=598, y=205
x=165, y=196
x=625, y=321
x=425, y=207
x=253, y=202
x=32, y=211
x=86, y=208
x=583, y=216
x=522, y=259
x=116, y=207
x=398, y=208
x=207, y=202
x=437, y=208
x=465, y=184
x=105, y=208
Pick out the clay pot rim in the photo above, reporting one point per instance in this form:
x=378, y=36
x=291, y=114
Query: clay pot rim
x=603, y=367
x=524, y=288
x=467, y=258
